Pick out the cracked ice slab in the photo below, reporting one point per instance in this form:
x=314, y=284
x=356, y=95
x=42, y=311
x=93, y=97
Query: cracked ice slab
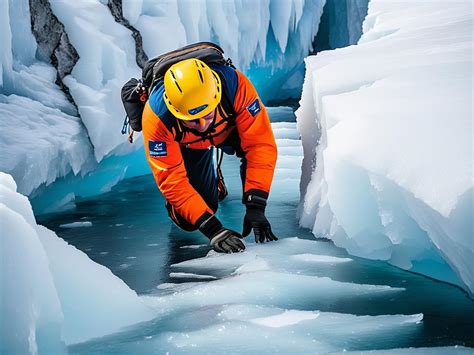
x=267, y=274
x=264, y=330
x=258, y=285
x=269, y=253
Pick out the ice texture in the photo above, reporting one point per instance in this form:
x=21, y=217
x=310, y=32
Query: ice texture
x=76, y=224
x=272, y=35
x=30, y=309
x=415, y=351
x=53, y=294
x=274, y=295
x=107, y=50
x=267, y=296
x=40, y=137
x=341, y=24
x=387, y=135
x=106, y=61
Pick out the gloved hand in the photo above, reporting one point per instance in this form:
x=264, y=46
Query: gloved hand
x=255, y=218
x=222, y=240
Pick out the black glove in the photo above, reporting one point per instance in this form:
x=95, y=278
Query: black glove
x=255, y=218
x=221, y=239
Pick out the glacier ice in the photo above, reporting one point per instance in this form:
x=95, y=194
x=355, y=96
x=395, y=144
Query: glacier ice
x=272, y=35
x=275, y=296
x=387, y=134
x=262, y=297
x=107, y=60
x=106, y=53
x=40, y=139
x=30, y=307
x=52, y=293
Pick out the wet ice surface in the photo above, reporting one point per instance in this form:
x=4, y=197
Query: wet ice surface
x=294, y=295
x=76, y=225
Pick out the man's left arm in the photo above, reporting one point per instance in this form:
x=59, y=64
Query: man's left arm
x=258, y=143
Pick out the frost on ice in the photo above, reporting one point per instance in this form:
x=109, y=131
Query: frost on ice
x=387, y=134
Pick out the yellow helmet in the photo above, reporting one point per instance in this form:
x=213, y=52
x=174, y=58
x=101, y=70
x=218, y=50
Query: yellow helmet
x=192, y=89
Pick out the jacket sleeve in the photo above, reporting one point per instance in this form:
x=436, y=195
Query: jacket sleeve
x=256, y=136
x=166, y=162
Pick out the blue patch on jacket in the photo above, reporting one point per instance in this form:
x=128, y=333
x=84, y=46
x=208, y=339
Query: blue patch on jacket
x=157, y=149
x=254, y=107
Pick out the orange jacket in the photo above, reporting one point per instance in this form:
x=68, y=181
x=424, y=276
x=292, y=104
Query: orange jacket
x=163, y=151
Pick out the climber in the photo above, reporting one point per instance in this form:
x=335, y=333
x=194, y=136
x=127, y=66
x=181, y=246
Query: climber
x=186, y=115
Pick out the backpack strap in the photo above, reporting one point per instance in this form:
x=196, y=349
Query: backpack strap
x=226, y=106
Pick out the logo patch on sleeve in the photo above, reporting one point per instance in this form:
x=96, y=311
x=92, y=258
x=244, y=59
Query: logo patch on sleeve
x=157, y=149
x=254, y=107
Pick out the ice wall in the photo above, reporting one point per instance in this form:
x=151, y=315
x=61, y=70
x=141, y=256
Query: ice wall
x=273, y=36
x=52, y=294
x=41, y=138
x=106, y=61
x=387, y=133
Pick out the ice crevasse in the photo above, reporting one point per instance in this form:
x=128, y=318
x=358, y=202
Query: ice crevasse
x=387, y=134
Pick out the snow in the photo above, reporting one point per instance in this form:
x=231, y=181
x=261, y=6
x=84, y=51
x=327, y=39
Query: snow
x=52, y=293
x=387, y=136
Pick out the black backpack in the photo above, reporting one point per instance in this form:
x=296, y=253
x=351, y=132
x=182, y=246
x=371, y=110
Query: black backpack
x=135, y=91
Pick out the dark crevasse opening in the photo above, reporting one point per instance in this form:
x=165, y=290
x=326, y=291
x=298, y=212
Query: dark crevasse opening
x=341, y=24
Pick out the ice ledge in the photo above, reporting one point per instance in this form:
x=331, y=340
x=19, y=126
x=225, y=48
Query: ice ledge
x=61, y=296
x=386, y=127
